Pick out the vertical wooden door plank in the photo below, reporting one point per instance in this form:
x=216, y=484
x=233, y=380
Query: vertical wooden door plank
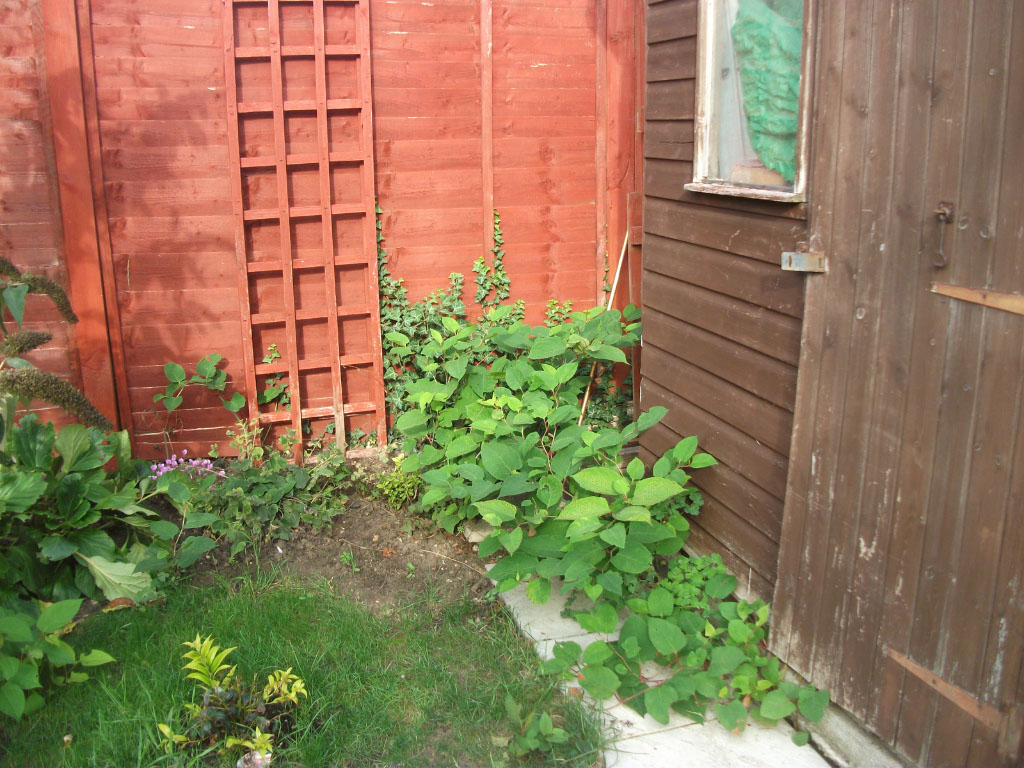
x=844, y=644
x=989, y=341
x=1003, y=658
x=904, y=702
x=81, y=248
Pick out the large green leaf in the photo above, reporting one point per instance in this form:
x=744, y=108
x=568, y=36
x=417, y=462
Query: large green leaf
x=20, y=490
x=412, y=423
x=174, y=372
x=500, y=459
x=776, y=705
x=75, y=446
x=16, y=628
x=601, y=480
x=539, y=591
x=599, y=681
x=32, y=443
x=660, y=602
x=116, y=579
x=588, y=506
x=665, y=636
x=547, y=346
x=658, y=700
x=725, y=658
x=14, y=298
x=733, y=716
x=635, y=558
x=95, y=658
x=649, y=418
x=12, y=700
x=55, y=616
x=813, y=703
x=460, y=446
x=193, y=549
x=653, y=490
x=602, y=619
x=495, y=512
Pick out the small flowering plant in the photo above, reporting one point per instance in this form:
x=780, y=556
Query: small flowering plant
x=192, y=468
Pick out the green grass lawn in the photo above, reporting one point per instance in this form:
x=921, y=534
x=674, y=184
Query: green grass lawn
x=420, y=685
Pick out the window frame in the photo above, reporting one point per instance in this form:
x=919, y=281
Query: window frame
x=705, y=139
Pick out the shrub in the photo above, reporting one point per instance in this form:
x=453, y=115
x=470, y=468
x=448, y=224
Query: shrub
x=502, y=440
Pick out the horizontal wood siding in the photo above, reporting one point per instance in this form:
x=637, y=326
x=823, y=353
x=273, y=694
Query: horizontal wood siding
x=159, y=82
x=721, y=319
x=30, y=233
x=448, y=144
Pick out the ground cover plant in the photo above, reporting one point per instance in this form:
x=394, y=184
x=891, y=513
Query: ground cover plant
x=422, y=683
x=503, y=441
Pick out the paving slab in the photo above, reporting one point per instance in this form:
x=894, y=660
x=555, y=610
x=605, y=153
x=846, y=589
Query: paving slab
x=643, y=742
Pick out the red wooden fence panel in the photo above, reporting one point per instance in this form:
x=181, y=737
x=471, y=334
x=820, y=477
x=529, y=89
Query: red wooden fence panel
x=313, y=296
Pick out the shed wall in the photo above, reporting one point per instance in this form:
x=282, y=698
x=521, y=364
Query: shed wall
x=721, y=320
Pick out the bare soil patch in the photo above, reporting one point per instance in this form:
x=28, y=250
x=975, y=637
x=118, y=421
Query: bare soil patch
x=391, y=555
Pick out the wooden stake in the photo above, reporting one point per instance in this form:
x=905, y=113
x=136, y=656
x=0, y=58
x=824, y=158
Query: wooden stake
x=608, y=305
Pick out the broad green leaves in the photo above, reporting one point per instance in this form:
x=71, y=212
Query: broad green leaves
x=500, y=459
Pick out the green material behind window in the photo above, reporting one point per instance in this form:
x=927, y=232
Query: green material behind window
x=768, y=37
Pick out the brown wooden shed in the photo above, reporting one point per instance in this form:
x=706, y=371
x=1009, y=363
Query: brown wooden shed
x=868, y=418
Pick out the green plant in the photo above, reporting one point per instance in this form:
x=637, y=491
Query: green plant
x=257, y=497
x=537, y=731
x=68, y=527
x=397, y=488
x=20, y=381
x=492, y=282
x=232, y=713
x=502, y=442
x=34, y=657
x=556, y=313
x=410, y=571
x=207, y=376
x=349, y=560
x=385, y=686
x=275, y=389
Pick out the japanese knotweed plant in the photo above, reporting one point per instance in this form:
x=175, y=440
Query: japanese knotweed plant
x=500, y=441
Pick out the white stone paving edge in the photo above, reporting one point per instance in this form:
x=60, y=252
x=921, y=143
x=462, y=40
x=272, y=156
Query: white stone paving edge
x=642, y=742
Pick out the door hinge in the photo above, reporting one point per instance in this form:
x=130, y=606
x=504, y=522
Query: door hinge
x=804, y=261
x=1008, y=724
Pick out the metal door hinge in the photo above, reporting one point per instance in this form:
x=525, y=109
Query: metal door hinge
x=801, y=261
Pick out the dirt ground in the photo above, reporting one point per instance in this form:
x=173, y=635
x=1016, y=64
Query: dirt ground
x=376, y=555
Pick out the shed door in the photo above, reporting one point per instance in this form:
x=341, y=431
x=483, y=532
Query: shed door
x=904, y=522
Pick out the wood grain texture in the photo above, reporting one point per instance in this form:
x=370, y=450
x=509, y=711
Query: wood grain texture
x=81, y=246
x=30, y=218
x=722, y=322
x=903, y=498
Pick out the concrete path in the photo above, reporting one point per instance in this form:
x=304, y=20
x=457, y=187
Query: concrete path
x=642, y=742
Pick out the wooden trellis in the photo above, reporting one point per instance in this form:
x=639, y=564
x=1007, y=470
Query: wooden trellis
x=301, y=150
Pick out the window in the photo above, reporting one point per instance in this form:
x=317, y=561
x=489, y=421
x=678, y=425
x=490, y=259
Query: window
x=751, y=117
